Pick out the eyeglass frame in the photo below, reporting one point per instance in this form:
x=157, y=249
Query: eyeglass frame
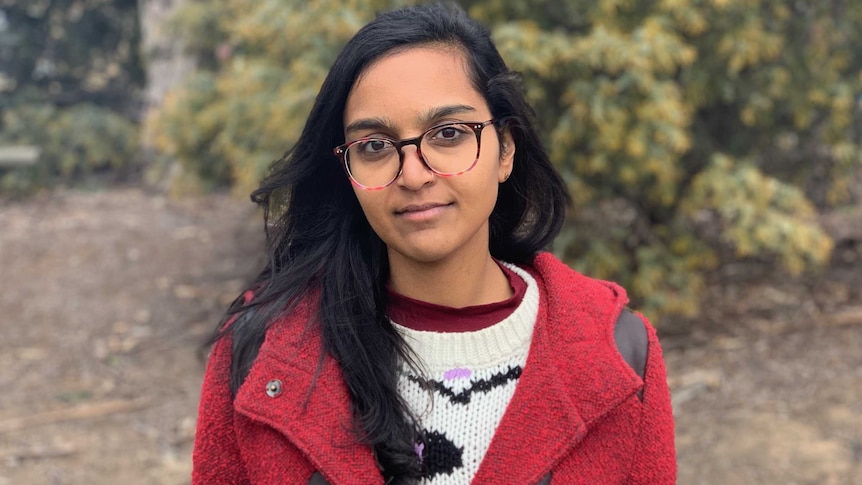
x=477, y=126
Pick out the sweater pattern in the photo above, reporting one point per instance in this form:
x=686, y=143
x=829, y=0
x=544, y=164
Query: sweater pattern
x=464, y=387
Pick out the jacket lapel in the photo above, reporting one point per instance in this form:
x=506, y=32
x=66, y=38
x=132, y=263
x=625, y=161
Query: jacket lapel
x=571, y=379
x=280, y=391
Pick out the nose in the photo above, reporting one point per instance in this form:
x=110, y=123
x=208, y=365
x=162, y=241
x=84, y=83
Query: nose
x=415, y=174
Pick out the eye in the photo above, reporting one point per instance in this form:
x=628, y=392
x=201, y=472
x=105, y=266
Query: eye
x=370, y=150
x=372, y=146
x=448, y=134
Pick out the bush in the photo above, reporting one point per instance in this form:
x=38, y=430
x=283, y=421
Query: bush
x=78, y=144
x=688, y=131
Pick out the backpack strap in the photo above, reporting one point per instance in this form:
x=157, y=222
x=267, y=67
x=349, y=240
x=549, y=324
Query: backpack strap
x=630, y=336
x=317, y=479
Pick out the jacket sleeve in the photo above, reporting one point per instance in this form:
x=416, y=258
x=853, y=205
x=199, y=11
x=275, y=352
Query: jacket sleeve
x=655, y=455
x=216, y=455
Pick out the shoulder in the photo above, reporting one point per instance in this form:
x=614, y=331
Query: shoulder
x=290, y=321
x=251, y=336
x=569, y=287
x=592, y=308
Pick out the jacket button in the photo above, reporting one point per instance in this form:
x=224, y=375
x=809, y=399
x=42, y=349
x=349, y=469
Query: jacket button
x=273, y=388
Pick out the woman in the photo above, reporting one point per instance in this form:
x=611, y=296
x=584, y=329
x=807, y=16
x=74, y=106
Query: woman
x=407, y=327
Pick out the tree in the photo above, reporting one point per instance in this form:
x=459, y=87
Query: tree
x=68, y=52
x=70, y=79
x=690, y=132
x=266, y=61
x=169, y=62
x=694, y=125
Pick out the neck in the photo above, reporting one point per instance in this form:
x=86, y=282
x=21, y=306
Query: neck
x=453, y=283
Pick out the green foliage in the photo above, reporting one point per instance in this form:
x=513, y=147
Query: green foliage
x=69, y=52
x=650, y=107
x=66, y=70
x=757, y=214
x=688, y=131
x=230, y=124
x=77, y=144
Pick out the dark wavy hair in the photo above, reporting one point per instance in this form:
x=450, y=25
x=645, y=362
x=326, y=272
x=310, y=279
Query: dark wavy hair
x=319, y=240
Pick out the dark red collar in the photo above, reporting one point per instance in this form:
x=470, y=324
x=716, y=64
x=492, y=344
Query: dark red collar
x=420, y=315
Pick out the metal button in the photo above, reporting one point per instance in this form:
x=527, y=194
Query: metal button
x=273, y=388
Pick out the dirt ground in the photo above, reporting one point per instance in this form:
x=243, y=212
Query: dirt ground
x=105, y=298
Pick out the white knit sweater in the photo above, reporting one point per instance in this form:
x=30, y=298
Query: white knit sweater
x=467, y=380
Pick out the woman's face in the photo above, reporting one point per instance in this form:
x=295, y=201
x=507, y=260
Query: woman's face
x=423, y=217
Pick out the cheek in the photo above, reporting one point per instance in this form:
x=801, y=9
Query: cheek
x=488, y=184
x=480, y=197
x=372, y=207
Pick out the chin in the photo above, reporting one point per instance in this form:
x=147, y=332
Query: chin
x=426, y=255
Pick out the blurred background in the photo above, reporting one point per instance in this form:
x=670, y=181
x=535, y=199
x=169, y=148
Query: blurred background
x=713, y=149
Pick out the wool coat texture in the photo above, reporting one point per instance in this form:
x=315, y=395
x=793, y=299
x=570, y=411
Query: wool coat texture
x=576, y=414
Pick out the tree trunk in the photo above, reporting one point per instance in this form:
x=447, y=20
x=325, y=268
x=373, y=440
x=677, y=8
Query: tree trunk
x=167, y=67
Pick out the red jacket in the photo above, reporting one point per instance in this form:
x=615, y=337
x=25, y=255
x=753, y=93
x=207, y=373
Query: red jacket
x=575, y=414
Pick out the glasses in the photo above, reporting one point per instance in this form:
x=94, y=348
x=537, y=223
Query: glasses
x=447, y=149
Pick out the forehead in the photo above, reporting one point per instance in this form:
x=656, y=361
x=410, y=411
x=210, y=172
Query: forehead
x=406, y=83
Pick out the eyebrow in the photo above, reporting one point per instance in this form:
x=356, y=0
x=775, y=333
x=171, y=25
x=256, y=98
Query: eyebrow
x=426, y=117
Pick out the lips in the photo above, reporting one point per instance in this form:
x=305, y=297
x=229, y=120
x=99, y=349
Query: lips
x=414, y=208
x=422, y=213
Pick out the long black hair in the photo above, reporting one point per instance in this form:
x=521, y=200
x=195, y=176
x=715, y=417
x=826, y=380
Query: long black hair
x=320, y=242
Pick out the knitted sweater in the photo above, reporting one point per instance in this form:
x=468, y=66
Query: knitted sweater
x=466, y=383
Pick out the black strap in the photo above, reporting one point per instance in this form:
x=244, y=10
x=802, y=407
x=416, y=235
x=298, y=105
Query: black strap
x=631, y=338
x=317, y=479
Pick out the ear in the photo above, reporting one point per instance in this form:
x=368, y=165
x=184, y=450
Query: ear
x=507, y=156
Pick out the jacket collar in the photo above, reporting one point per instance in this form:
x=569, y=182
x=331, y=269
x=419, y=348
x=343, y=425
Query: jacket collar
x=573, y=376
x=310, y=406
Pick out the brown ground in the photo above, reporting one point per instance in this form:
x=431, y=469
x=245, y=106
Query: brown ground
x=105, y=298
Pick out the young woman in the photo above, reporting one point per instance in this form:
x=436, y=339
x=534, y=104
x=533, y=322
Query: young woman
x=408, y=327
